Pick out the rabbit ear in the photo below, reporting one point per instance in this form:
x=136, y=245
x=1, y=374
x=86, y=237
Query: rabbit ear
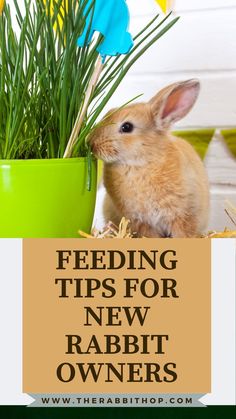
x=174, y=102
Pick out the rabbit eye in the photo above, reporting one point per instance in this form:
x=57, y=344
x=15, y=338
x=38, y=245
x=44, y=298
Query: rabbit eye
x=127, y=127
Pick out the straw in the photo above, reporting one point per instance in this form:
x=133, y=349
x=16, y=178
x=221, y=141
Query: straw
x=111, y=231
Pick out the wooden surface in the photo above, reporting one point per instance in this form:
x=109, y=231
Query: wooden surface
x=221, y=167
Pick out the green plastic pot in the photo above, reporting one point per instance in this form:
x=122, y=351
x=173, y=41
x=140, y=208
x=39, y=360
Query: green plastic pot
x=46, y=198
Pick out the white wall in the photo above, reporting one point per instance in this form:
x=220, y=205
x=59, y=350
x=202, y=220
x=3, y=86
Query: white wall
x=202, y=44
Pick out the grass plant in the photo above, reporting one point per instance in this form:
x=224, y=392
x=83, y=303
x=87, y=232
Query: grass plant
x=44, y=76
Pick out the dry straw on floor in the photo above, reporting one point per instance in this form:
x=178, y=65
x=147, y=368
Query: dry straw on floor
x=226, y=234
x=111, y=231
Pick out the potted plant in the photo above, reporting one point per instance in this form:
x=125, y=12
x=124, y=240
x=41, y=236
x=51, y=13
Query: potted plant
x=54, y=84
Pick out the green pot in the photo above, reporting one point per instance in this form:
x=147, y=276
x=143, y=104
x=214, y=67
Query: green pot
x=46, y=198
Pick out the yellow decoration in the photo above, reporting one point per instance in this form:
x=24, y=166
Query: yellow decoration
x=63, y=7
x=165, y=4
x=2, y=2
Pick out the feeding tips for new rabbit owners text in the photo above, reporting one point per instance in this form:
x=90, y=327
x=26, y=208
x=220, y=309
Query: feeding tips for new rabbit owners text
x=118, y=316
x=105, y=290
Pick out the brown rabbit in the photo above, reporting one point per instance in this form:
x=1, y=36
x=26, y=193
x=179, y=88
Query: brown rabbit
x=152, y=178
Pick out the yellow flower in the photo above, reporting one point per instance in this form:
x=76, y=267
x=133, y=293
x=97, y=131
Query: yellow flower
x=165, y=4
x=64, y=6
x=2, y=2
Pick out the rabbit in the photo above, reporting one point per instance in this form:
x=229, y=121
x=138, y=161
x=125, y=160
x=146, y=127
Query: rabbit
x=152, y=178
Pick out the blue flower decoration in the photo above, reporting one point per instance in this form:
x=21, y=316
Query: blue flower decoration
x=111, y=18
